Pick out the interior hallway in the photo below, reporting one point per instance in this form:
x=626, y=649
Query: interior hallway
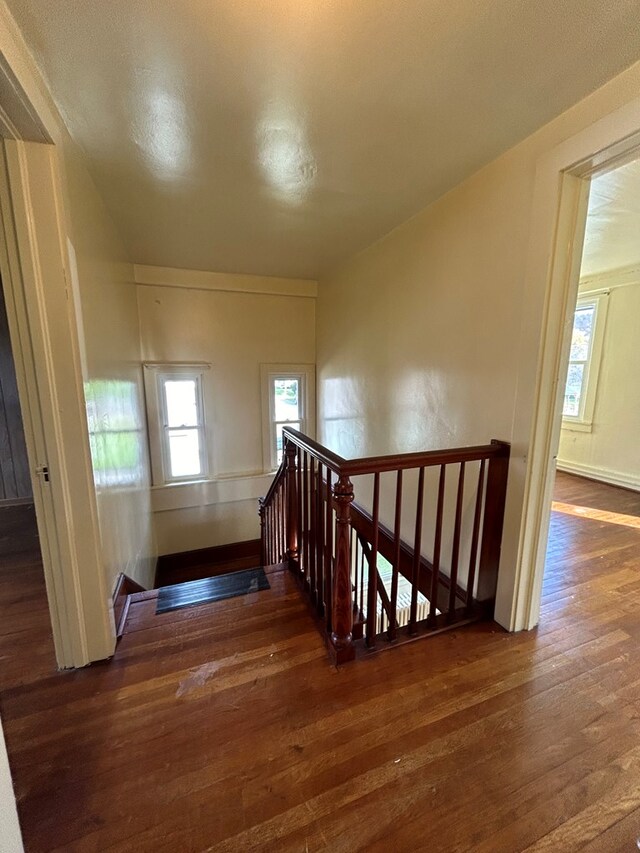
x=224, y=727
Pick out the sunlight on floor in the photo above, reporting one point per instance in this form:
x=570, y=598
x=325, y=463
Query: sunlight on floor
x=597, y=514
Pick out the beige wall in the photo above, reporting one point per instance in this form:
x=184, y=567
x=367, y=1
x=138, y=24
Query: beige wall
x=235, y=332
x=422, y=341
x=112, y=380
x=611, y=451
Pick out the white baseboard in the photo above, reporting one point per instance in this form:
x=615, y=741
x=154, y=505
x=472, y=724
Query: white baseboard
x=604, y=475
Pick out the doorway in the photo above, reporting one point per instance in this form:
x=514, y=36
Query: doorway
x=558, y=221
x=596, y=494
x=26, y=642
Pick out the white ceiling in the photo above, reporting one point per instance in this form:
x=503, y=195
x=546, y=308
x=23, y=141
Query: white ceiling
x=280, y=136
x=612, y=236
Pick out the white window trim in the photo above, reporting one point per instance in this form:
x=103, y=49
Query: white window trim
x=154, y=374
x=583, y=421
x=307, y=375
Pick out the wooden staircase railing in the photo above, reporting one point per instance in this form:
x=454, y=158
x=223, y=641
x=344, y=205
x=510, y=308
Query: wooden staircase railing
x=366, y=582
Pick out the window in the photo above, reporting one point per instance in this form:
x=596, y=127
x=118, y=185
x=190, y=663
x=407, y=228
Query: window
x=175, y=408
x=287, y=393
x=584, y=361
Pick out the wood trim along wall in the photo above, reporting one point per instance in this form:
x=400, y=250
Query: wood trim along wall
x=621, y=479
x=5, y=502
x=209, y=492
x=125, y=587
x=207, y=562
x=18, y=119
x=610, y=280
x=201, y=280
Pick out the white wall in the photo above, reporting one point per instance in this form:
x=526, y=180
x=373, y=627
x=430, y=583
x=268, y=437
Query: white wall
x=112, y=381
x=235, y=332
x=611, y=452
x=422, y=337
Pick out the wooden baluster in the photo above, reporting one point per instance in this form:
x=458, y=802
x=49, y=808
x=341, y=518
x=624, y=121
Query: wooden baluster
x=312, y=529
x=492, y=522
x=305, y=523
x=283, y=510
x=261, y=512
x=417, y=548
x=299, y=510
x=393, y=624
x=354, y=571
x=328, y=549
x=274, y=525
x=271, y=535
x=291, y=504
x=475, y=536
x=274, y=545
x=281, y=539
x=372, y=592
x=435, y=576
x=342, y=617
x=455, y=548
x=323, y=604
x=362, y=568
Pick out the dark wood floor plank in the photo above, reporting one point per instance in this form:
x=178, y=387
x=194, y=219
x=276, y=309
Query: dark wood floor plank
x=224, y=726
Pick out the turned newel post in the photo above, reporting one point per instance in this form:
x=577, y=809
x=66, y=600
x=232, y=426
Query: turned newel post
x=263, y=531
x=292, y=501
x=342, y=621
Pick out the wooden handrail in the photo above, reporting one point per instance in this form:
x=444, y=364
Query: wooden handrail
x=280, y=474
x=318, y=451
x=396, y=461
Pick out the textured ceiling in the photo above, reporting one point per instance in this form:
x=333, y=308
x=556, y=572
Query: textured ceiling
x=280, y=136
x=612, y=236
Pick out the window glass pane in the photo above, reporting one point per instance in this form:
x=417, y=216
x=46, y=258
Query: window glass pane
x=286, y=397
x=279, y=438
x=582, y=330
x=180, y=395
x=573, y=390
x=184, y=452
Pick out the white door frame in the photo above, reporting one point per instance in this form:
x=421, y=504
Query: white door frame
x=557, y=232
x=44, y=334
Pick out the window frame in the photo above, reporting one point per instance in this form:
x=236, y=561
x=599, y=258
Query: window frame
x=583, y=421
x=305, y=374
x=155, y=375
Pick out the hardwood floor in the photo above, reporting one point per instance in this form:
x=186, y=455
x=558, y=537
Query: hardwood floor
x=224, y=727
x=26, y=645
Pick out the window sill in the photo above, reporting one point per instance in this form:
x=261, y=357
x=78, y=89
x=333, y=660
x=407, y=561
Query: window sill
x=196, y=493
x=577, y=426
